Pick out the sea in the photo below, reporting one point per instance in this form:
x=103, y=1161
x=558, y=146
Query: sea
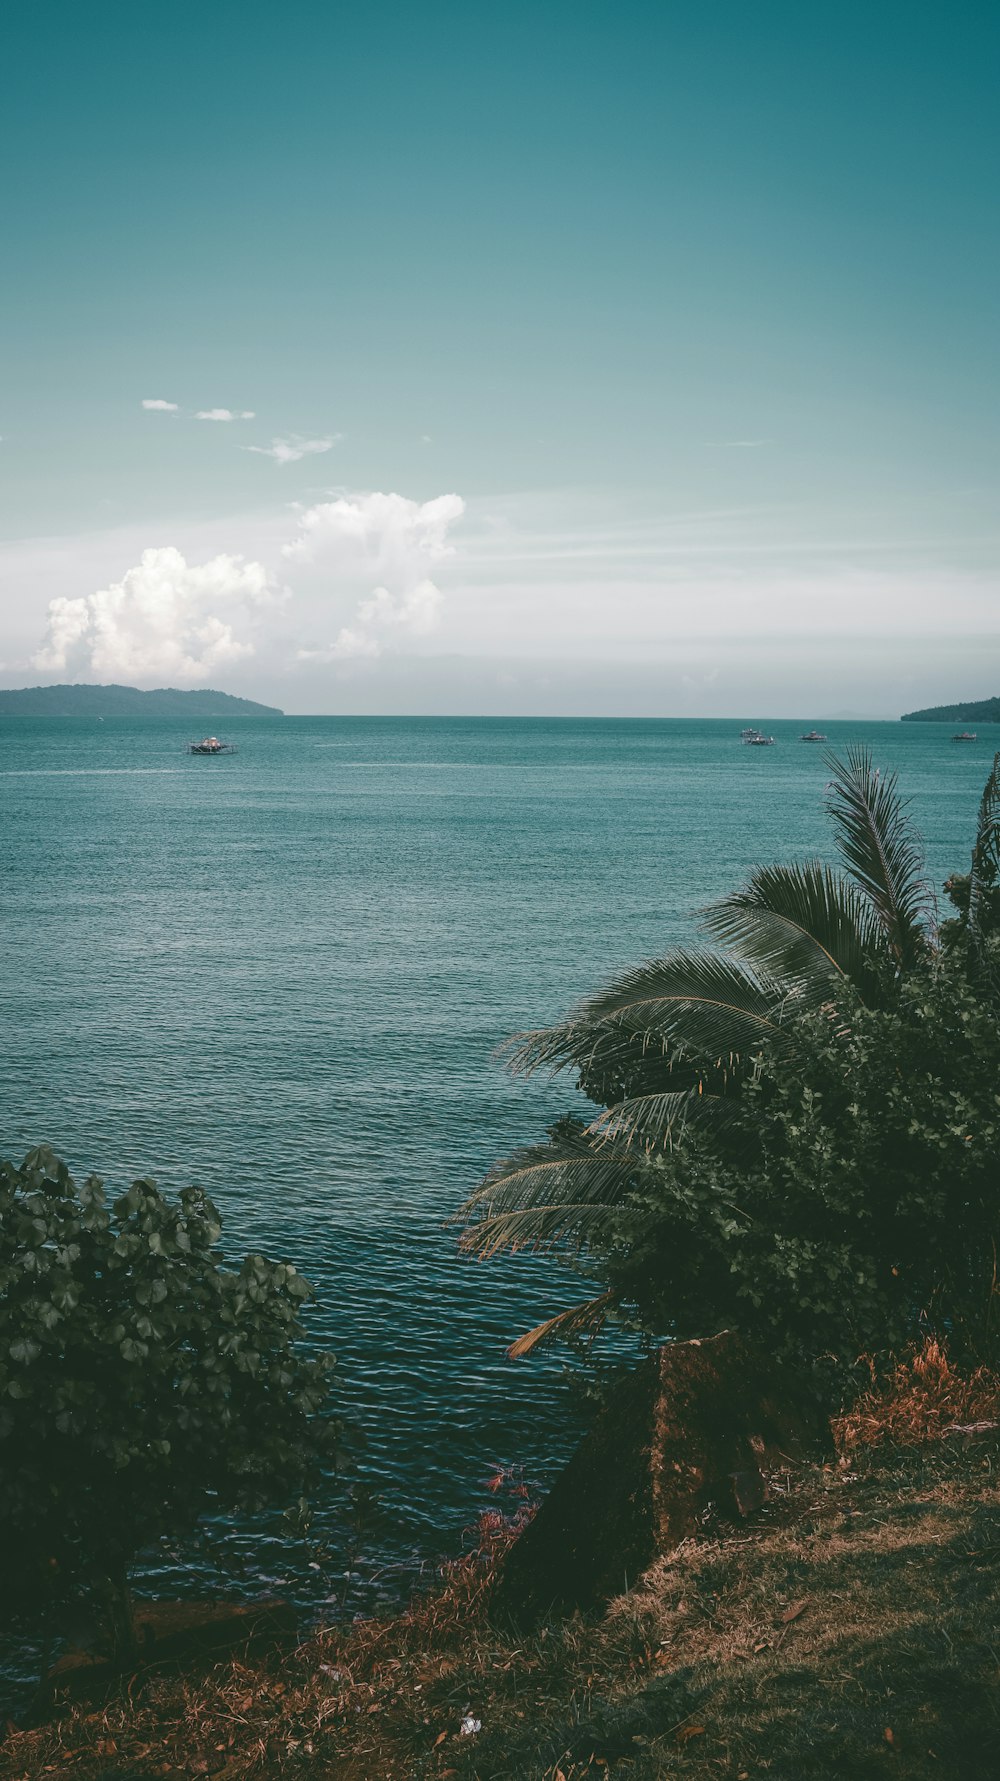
x=283, y=974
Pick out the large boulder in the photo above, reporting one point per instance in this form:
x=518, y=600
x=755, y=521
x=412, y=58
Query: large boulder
x=698, y=1424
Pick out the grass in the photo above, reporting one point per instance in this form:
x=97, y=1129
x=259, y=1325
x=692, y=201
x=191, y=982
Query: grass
x=848, y=1630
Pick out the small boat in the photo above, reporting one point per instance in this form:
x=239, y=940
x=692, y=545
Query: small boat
x=813, y=736
x=752, y=738
x=966, y=736
x=211, y=745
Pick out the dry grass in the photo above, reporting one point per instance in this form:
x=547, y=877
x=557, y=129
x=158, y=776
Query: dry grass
x=922, y=1398
x=847, y=1632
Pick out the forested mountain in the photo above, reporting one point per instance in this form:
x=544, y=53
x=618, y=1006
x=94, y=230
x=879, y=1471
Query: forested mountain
x=973, y=711
x=127, y=701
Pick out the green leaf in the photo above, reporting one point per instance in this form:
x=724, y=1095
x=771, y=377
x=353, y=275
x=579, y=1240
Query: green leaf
x=881, y=849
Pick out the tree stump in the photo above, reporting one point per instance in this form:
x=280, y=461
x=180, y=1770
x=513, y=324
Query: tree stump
x=698, y=1424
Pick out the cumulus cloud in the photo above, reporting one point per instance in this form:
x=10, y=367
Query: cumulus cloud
x=167, y=620
x=412, y=613
x=377, y=549
x=289, y=451
x=387, y=529
x=157, y=403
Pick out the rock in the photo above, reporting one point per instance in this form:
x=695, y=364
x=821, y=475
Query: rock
x=699, y=1424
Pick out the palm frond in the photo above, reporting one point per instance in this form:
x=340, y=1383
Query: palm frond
x=567, y=1046
x=697, y=1005
x=803, y=924
x=655, y=1122
x=579, y=1319
x=570, y=1226
x=548, y=1192
x=647, y=1120
x=986, y=852
x=881, y=849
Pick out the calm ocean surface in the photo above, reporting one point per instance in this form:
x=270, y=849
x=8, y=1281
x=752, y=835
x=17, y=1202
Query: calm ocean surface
x=283, y=974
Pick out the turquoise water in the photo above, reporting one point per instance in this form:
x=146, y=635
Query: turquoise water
x=283, y=975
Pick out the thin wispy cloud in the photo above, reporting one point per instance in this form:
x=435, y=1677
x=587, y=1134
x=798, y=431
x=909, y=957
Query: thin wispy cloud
x=289, y=451
x=157, y=405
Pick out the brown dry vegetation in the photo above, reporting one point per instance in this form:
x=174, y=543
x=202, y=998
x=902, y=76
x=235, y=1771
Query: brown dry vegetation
x=921, y=1399
x=849, y=1630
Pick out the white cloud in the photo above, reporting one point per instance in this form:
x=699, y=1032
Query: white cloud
x=349, y=643
x=419, y=608
x=165, y=621
x=386, y=529
x=157, y=404
x=414, y=613
x=289, y=451
x=348, y=544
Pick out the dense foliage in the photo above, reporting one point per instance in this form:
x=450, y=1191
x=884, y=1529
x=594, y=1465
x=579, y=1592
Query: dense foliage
x=797, y=1129
x=142, y=1382
x=853, y=1198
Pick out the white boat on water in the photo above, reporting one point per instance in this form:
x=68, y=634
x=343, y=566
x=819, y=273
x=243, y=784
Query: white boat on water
x=752, y=738
x=211, y=745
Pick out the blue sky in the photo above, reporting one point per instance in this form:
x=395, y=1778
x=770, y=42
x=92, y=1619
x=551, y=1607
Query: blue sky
x=689, y=309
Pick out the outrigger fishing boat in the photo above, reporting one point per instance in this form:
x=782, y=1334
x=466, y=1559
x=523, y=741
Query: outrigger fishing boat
x=966, y=736
x=752, y=738
x=211, y=745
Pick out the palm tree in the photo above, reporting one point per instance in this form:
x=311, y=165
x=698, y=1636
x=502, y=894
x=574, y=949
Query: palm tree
x=672, y=1041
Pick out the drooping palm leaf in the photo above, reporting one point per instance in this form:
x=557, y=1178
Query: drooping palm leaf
x=569, y=1225
x=585, y=1319
x=608, y=1060
x=658, y=1121
x=698, y=1005
x=881, y=850
x=803, y=924
x=648, y=1121
x=561, y=1191
x=986, y=852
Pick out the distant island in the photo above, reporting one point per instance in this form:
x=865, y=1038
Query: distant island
x=127, y=701
x=974, y=711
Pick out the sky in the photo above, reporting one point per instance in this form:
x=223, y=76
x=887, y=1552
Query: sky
x=552, y=358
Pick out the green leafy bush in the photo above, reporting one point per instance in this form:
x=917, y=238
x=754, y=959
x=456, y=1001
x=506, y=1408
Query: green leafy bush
x=142, y=1382
x=854, y=1198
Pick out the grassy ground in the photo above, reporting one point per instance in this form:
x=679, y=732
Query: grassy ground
x=850, y=1630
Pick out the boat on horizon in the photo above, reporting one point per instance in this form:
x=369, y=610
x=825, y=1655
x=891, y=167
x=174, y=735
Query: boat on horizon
x=965, y=736
x=211, y=745
x=813, y=736
x=752, y=738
